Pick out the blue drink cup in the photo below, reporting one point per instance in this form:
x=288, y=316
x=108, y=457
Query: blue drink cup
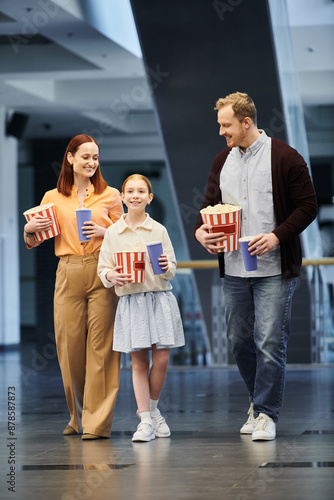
x=250, y=261
x=83, y=215
x=155, y=252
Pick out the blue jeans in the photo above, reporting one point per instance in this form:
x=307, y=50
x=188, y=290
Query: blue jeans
x=258, y=312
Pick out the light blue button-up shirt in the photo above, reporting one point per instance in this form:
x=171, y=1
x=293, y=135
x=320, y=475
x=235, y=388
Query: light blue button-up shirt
x=245, y=180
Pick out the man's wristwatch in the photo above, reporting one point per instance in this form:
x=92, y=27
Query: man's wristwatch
x=29, y=235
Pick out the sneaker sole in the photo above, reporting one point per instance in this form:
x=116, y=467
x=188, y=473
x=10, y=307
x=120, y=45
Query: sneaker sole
x=159, y=435
x=262, y=438
x=143, y=439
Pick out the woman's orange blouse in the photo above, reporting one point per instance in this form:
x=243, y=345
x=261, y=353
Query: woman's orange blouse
x=106, y=208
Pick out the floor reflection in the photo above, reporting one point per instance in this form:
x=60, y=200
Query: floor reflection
x=205, y=457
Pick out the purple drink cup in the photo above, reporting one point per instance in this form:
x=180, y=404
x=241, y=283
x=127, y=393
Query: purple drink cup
x=250, y=261
x=83, y=215
x=155, y=251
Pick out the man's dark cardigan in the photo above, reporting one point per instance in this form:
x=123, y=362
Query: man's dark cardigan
x=294, y=199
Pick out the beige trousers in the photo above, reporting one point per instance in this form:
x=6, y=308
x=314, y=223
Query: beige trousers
x=84, y=312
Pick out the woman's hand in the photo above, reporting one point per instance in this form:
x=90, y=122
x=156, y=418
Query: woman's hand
x=38, y=223
x=92, y=230
x=163, y=262
x=117, y=278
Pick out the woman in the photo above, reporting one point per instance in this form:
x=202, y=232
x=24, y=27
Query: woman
x=84, y=309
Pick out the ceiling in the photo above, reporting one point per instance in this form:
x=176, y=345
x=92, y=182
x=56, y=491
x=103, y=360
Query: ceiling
x=65, y=74
x=312, y=35
x=63, y=68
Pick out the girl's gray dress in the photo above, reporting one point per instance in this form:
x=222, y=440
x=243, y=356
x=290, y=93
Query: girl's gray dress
x=147, y=318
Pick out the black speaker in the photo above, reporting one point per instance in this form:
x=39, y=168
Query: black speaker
x=16, y=125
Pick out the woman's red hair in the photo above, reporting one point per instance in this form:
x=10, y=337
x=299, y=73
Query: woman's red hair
x=66, y=179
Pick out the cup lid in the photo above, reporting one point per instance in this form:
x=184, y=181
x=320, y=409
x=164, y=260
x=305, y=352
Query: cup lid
x=246, y=238
x=154, y=243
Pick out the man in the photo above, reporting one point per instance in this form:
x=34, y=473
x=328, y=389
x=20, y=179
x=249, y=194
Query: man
x=270, y=181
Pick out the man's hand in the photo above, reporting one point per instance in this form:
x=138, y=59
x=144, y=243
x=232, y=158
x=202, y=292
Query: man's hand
x=262, y=243
x=208, y=240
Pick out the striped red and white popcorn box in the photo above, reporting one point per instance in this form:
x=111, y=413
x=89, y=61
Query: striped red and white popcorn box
x=47, y=210
x=132, y=263
x=228, y=223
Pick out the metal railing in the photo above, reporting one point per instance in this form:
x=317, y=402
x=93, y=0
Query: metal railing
x=213, y=263
x=321, y=310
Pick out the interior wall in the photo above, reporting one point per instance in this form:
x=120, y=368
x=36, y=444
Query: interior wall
x=9, y=253
x=46, y=157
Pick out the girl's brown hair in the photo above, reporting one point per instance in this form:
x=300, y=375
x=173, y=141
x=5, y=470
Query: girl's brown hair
x=66, y=178
x=138, y=177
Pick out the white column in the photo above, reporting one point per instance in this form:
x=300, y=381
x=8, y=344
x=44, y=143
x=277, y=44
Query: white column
x=9, y=251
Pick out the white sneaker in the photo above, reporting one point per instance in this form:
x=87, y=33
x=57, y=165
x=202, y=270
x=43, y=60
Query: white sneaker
x=250, y=425
x=265, y=429
x=161, y=428
x=144, y=432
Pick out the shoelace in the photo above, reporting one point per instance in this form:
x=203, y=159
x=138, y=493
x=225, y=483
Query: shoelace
x=158, y=418
x=251, y=419
x=261, y=423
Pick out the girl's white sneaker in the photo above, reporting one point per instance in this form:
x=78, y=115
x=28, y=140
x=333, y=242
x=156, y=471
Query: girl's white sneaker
x=144, y=432
x=161, y=428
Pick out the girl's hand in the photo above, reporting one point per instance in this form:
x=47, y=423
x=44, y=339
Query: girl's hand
x=37, y=224
x=92, y=230
x=163, y=262
x=117, y=278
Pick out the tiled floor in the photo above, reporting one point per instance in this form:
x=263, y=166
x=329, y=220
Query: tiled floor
x=205, y=458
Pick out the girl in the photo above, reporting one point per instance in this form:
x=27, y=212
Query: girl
x=147, y=314
x=84, y=333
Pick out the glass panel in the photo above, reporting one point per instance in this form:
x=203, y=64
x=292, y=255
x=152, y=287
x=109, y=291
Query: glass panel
x=322, y=320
